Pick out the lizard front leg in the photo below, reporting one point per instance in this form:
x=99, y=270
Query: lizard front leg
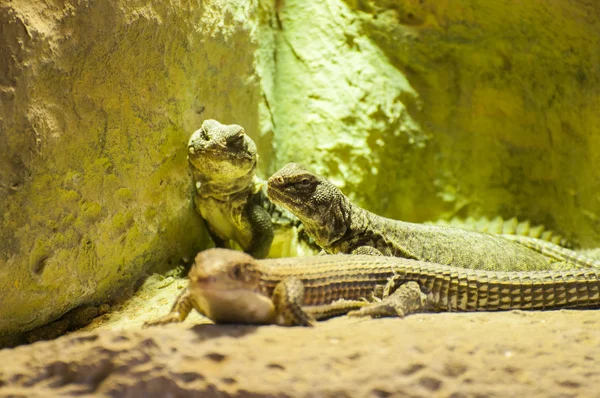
x=287, y=299
x=181, y=309
x=405, y=300
x=262, y=231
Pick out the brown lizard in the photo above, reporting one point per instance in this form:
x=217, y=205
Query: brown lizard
x=232, y=287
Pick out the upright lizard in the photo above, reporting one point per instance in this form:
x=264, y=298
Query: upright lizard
x=232, y=287
x=229, y=195
x=338, y=226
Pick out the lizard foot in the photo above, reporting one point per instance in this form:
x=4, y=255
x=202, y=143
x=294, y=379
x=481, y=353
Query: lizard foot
x=181, y=309
x=407, y=299
x=172, y=317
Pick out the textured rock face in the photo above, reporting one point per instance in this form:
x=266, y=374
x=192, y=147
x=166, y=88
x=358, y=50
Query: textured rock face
x=97, y=102
x=427, y=108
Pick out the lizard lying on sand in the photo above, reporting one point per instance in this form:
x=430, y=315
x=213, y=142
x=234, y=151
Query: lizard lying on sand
x=338, y=226
x=231, y=287
x=229, y=195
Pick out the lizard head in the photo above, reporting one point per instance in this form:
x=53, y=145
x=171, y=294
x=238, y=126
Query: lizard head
x=320, y=205
x=226, y=286
x=221, y=153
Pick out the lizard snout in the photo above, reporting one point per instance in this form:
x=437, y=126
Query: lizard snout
x=276, y=180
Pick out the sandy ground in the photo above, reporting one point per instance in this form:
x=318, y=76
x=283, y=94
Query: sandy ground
x=549, y=354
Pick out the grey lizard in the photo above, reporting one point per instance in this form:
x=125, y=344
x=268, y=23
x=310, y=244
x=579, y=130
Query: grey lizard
x=338, y=226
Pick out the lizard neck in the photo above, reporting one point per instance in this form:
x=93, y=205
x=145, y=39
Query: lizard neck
x=224, y=189
x=328, y=233
x=368, y=229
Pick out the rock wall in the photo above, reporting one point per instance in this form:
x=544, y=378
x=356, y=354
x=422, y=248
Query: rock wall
x=97, y=102
x=423, y=109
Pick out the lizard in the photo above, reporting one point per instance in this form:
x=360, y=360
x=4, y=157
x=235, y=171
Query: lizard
x=231, y=198
x=339, y=226
x=232, y=287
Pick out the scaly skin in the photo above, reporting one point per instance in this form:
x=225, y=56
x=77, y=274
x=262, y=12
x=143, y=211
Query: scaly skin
x=338, y=226
x=500, y=226
x=228, y=195
x=232, y=287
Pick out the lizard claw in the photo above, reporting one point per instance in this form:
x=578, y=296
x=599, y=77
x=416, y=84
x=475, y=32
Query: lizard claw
x=165, y=320
x=377, y=310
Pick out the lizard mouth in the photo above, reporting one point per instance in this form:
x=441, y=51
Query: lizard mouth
x=226, y=153
x=277, y=196
x=228, y=304
x=285, y=200
x=215, y=284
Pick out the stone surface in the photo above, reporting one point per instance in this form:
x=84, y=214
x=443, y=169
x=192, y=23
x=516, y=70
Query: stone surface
x=97, y=102
x=552, y=354
x=422, y=109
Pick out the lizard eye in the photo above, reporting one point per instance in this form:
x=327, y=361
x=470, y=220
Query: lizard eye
x=244, y=272
x=237, y=140
x=304, y=182
x=204, y=134
x=237, y=272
